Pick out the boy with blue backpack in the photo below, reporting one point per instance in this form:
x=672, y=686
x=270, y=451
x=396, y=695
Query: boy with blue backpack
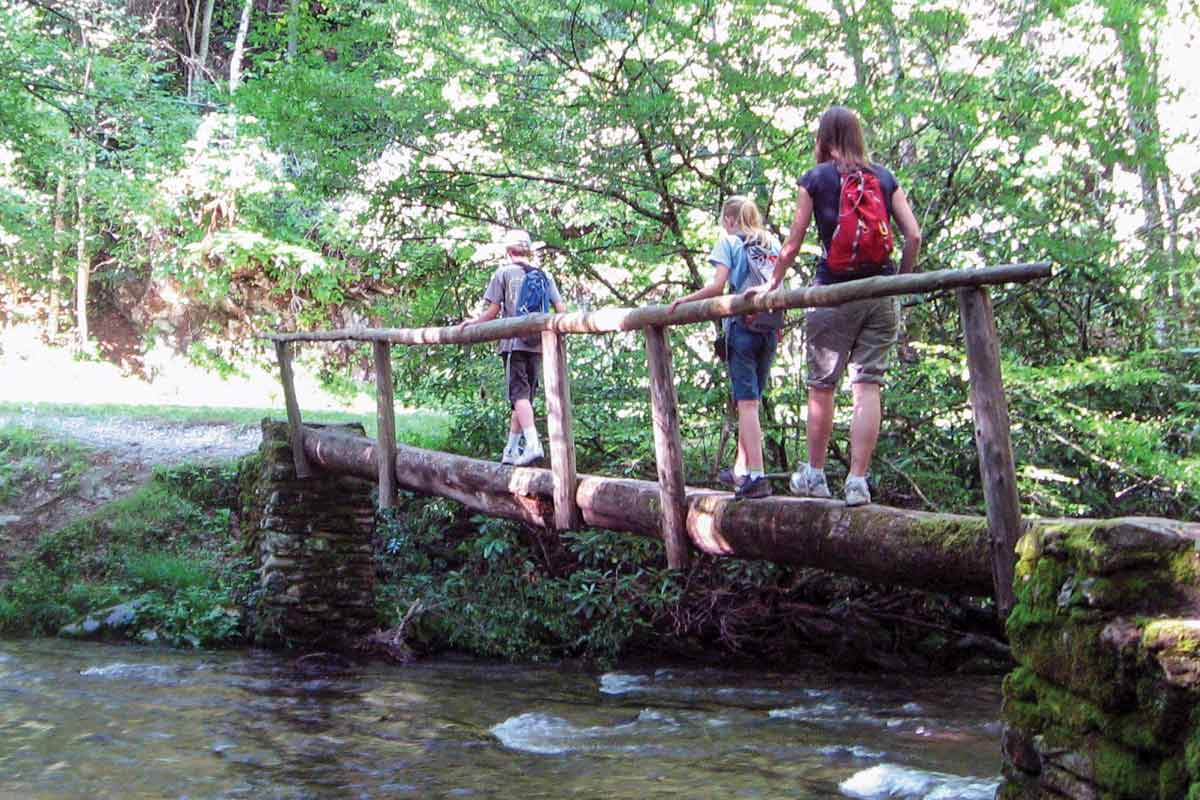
x=519, y=287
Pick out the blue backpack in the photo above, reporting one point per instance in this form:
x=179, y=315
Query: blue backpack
x=534, y=297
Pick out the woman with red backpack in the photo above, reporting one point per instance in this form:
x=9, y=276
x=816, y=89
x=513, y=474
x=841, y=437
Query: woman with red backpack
x=853, y=202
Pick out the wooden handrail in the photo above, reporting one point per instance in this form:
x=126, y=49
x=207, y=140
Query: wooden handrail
x=611, y=320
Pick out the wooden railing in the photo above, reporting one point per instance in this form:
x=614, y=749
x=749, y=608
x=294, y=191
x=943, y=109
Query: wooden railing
x=987, y=398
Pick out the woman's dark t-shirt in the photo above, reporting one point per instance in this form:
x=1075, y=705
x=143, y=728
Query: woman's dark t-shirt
x=824, y=186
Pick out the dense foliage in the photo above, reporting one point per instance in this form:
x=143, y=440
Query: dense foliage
x=496, y=588
x=200, y=171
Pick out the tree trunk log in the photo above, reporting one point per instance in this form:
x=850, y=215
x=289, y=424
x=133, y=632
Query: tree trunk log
x=56, y=256
x=83, y=266
x=385, y=422
x=295, y=431
x=293, y=29
x=946, y=553
x=668, y=447
x=239, y=47
x=992, y=440
x=938, y=552
x=559, y=427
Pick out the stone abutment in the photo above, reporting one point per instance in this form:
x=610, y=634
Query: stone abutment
x=1105, y=702
x=312, y=539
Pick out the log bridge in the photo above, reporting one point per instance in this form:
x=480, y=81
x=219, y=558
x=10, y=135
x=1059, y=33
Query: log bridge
x=964, y=555
x=1102, y=615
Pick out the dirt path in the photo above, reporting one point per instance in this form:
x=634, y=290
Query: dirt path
x=146, y=442
x=123, y=452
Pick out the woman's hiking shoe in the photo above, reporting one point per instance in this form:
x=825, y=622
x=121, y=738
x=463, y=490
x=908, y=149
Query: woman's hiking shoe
x=509, y=456
x=530, y=455
x=754, y=488
x=809, y=482
x=857, y=493
x=730, y=478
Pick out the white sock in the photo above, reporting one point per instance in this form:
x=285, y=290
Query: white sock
x=514, y=442
x=756, y=473
x=531, y=439
x=741, y=472
x=813, y=469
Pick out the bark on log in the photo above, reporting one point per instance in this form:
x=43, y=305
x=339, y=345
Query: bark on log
x=668, y=447
x=284, y=355
x=609, y=320
x=992, y=440
x=385, y=422
x=559, y=429
x=938, y=552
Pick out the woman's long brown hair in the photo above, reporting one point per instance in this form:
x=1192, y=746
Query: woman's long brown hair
x=839, y=130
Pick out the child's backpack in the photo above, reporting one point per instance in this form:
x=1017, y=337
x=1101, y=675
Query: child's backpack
x=534, y=297
x=862, y=242
x=760, y=263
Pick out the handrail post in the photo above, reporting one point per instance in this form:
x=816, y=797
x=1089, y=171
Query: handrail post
x=668, y=447
x=385, y=424
x=559, y=428
x=295, y=433
x=993, y=439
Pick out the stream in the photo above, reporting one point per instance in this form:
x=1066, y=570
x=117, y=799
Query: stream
x=101, y=721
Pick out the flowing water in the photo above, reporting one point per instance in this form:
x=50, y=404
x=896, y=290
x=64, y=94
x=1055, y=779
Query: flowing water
x=99, y=721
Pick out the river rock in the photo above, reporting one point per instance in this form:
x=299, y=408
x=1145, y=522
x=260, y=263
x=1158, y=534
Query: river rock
x=111, y=622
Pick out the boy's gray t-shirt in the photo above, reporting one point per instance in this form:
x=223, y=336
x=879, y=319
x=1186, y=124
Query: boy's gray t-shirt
x=504, y=289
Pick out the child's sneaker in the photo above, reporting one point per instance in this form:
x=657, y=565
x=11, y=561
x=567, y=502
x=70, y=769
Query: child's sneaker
x=857, y=493
x=530, y=455
x=809, y=482
x=510, y=455
x=754, y=488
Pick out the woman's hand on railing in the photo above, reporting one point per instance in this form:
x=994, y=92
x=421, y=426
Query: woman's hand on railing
x=674, y=305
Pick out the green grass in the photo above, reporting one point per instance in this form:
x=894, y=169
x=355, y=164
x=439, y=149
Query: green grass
x=170, y=543
x=168, y=572
x=29, y=457
x=419, y=427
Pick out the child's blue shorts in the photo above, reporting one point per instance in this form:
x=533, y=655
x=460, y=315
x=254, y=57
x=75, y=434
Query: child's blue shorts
x=750, y=355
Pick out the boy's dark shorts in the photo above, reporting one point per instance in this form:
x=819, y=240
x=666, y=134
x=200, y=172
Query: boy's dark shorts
x=523, y=372
x=750, y=355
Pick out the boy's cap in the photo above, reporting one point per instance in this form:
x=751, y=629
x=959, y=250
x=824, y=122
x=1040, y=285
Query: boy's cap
x=519, y=238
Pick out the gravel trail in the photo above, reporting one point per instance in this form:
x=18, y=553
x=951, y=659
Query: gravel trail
x=147, y=442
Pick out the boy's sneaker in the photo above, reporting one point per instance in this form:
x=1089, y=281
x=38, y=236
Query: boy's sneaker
x=730, y=478
x=809, y=482
x=530, y=455
x=510, y=455
x=754, y=488
x=857, y=493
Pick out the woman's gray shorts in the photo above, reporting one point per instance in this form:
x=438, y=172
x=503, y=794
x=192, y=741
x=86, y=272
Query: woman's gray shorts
x=860, y=334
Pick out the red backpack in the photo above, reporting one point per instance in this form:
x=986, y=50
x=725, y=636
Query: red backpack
x=862, y=241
